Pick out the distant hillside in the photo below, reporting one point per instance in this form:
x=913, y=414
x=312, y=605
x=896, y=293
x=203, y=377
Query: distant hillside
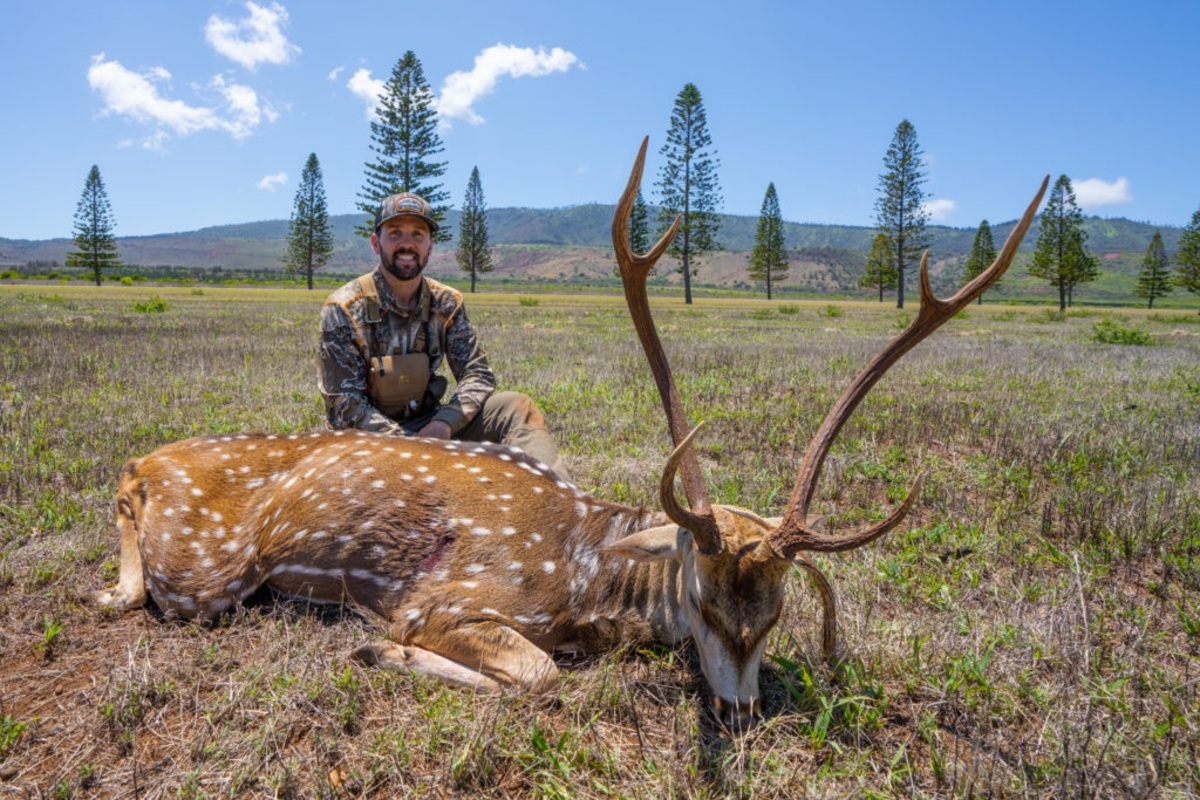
x=572, y=244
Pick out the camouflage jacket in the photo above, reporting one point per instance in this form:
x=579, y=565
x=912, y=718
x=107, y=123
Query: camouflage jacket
x=438, y=326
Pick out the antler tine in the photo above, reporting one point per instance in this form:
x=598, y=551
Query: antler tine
x=793, y=534
x=635, y=268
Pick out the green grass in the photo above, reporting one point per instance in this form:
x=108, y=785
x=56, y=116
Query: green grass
x=1032, y=631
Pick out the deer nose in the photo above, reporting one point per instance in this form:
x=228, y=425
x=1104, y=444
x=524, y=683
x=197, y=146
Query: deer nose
x=738, y=716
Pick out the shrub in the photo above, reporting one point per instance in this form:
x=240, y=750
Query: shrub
x=528, y=301
x=789, y=309
x=155, y=305
x=831, y=311
x=1109, y=331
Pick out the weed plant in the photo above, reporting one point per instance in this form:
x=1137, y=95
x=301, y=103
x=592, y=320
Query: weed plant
x=1032, y=631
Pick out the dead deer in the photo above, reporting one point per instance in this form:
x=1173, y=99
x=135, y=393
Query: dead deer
x=482, y=561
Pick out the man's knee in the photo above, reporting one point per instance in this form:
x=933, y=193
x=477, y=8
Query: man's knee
x=508, y=412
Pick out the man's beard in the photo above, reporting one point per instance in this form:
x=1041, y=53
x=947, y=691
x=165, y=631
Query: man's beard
x=404, y=272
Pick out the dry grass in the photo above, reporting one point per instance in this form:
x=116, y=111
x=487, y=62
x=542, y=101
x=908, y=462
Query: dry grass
x=1033, y=632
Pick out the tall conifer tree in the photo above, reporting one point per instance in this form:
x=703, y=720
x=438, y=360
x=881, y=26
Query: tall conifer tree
x=1154, y=281
x=983, y=253
x=639, y=229
x=900, y=209
x=473, y=253
x=1187, y=260
x=688, y=184
x=1061, y=256
x=310, y=237
x=405, y=141
x=768, y=259
x=94, y=240
x=880, y=272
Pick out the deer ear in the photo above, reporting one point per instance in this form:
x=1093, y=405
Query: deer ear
x=652, y=544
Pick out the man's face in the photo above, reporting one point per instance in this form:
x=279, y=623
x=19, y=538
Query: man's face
x=403, y=244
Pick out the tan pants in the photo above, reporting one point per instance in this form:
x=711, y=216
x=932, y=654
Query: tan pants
x=514, y=419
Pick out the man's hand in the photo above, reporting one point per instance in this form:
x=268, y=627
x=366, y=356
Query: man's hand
x=435, y=429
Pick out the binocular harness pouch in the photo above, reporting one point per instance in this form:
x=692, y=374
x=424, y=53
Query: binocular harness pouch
x=397, y=383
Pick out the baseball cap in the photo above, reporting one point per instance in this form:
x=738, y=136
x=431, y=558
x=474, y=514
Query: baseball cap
x=401, y=204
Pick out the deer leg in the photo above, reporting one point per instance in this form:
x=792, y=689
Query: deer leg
x=485, y=655
x=130, y=591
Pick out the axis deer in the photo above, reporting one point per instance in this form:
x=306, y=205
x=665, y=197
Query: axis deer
x=482, y=561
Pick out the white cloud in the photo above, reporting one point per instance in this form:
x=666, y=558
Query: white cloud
x=258, y=39
x=270, y=183
x=460, y=90
x=138, y=97
x=335, y=73
x=1094, y=192
x=939, y=209
x=361, y=84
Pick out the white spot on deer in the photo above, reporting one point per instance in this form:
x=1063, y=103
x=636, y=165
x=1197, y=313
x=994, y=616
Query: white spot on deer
x=319, y=535
x=505, y=457
x=518, y=580
x=378, y=484
x=470, y=584
x=255, y=483
x=165, y=537
x=412, y=614
x=225, y=456
x=230, y=546
x=244, y=468
x=422, y=469
x=404, y=476
x=196, y=492
x=481, y=531
x=274, y=453
x=581, y=509
x=537, y=490
x=367, y=470
x=548, y=567
x=425, y=456
x=513, y=566
x=168, y=512
x=508, y=530
x=475, y=470
x=535, y=537
x=488, y=610
x=207, y=563
x=474, y=569
x=185, y=530
x=431, y=479
x=398, y=503
x=234, y=586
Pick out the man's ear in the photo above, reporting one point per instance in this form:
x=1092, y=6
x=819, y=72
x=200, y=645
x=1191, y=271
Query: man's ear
x=375, y=243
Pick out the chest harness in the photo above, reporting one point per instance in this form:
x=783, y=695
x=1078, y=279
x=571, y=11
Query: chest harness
x=399, y=383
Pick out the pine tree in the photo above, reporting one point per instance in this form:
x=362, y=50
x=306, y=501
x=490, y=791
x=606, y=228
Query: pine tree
x=900, y=209
x=1061, y=255
x=639, y=229
x=639, y=225
x=769, y=260
x=688, y=184
x=983, y=253
x=95, y=243
x=1154, y=280
x=310, y=237
x=473, y=253
x=880, y=271
x=405, y=140
x=1187, y=260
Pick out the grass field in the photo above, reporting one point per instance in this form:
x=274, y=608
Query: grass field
x=1033, y=630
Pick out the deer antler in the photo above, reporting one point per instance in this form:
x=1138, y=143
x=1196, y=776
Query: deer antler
x=793, y=534
x=635, y=268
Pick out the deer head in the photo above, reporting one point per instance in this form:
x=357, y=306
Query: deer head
x=732, y=562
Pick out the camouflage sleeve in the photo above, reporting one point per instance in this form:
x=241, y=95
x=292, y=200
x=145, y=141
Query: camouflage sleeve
x=469, y=365
x=343, y=379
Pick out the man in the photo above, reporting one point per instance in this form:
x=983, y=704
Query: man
x=384, y=336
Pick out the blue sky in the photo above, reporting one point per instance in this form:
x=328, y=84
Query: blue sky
x=203, y=112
